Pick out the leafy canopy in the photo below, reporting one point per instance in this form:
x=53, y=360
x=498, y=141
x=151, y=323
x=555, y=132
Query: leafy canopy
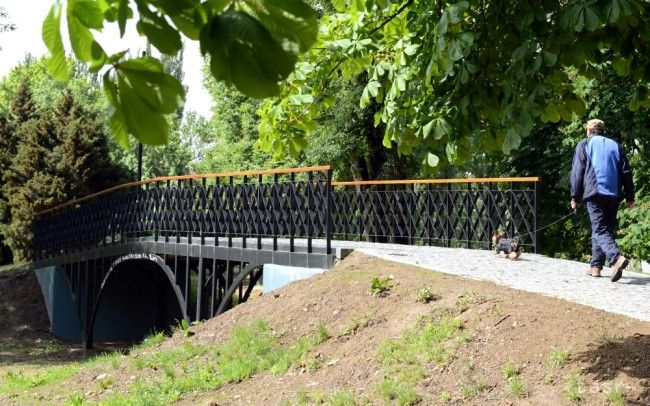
x=457, y=77
x=252, y=44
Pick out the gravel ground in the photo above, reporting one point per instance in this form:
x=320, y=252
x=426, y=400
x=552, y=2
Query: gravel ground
x=533, y=273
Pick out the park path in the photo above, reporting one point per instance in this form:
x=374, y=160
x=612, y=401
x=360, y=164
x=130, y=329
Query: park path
x=533, y=273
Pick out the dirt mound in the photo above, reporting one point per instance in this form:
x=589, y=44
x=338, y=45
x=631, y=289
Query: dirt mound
x=22, y=309
x=506, y=326
x=505, y=347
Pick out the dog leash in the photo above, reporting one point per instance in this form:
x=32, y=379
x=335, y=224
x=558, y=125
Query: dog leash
x=574, y=211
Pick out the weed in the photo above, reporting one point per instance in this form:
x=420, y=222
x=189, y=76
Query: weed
x=510, y=371
x=341, y=397
x=572, y=389
x=184, y=327
x=558, y=357
x=352, y=328
x=549, y=379
x=105, y=383
x=445, y=397
x=473, y=388
x=322, y=334
x=76, y=399
x=426, y=295
x=605, y=338
x=150, y=341
x=302, y=396
x=516, y=387
x=468, y=298
x=401, y=392
x=404, y=359
x=616, y=395
x=312, y=365
x=381, y=286
x=250, y=350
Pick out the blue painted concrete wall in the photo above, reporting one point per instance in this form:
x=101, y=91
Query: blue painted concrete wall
x=61, y=309
x=277, y=276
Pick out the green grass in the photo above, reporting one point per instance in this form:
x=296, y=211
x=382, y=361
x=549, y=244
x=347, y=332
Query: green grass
x=573, y=391
x=515, y=385
x=340, y=397
x=322, y=334
x=558, y=357
x=426, y=295
x=404, y=360
x=445, y=397
x=616, y=395
x=192, y=367
x=381, y=286
x=473, y=388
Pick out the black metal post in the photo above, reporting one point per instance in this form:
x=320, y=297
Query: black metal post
x=490, y=228
x=139, y=161
x=535, y=240
x=328, y=213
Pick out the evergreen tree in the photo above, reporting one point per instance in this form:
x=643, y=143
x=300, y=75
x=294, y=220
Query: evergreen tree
x=60, y=156
x=22, y=110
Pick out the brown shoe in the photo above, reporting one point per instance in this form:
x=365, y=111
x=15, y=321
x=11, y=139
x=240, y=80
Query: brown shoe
x=594, y=271
x=617, y=269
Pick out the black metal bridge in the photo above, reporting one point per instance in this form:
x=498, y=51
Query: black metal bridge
x=190, y=247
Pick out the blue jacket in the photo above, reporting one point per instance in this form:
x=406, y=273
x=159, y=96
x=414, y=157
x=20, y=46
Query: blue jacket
x=600, y=168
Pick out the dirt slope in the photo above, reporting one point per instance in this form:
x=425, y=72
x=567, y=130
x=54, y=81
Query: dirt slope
x=506, y=325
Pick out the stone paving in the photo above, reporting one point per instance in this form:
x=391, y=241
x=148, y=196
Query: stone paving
x=533, y=273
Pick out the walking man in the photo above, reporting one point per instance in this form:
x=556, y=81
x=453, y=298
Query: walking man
x=600, y=170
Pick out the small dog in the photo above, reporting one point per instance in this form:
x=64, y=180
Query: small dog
x=506, y=247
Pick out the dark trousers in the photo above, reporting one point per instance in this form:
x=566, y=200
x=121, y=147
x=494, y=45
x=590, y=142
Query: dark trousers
x=602, y=213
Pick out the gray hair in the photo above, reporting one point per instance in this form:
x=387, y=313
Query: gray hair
x=596, y=126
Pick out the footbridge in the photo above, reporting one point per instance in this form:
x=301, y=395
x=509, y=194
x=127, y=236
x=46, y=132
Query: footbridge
x=118, y=264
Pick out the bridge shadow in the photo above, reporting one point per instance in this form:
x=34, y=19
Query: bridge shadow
x=628, y=355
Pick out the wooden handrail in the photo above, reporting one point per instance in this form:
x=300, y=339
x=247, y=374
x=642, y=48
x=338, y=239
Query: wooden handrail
x=432, y=181
x=286, y=171
x=188, y=177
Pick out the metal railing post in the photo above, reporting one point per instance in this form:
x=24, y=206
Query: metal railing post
x=328, y=212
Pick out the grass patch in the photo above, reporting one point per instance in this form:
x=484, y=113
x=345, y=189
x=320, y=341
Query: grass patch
x=445, y=397
x=322, y=334
x=558, y=357
x=192, y=367
x=605, y=337
x=426, y=295
x=404, y=359
x=515, y=386
x=354, y=326
x=381, y=286
x=473, y=388
x=616, y=395
x=340, y=397
x=572, y=389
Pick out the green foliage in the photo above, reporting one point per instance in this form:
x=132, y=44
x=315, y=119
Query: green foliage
x=404, y=359
x=251, y=44
x=515, y=386
x=322, y=334
x=573, y=391
x=381, y=286
x=635, y=228
x=616, y=395
x=251, y=349
x=445, y=74
x=56, y=156
x=426, y=295
x=558, y=357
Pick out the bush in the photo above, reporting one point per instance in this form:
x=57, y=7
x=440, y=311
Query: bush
x=635, y=228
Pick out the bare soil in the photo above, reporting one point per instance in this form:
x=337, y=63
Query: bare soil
x=506, y=326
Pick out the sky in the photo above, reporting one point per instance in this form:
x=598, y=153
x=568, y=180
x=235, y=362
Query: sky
x=28, y=17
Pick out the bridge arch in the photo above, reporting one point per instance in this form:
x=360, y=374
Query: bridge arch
x=137, y=295
x=254, y=272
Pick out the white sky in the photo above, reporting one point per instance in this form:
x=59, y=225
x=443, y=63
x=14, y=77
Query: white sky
x=28, y=17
